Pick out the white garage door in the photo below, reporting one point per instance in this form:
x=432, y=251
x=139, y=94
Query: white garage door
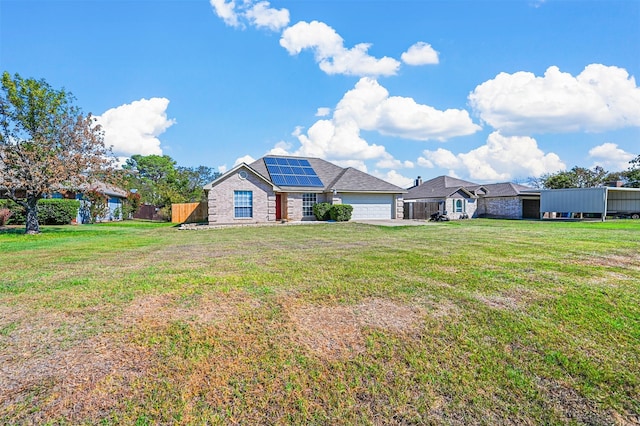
x=369, y=206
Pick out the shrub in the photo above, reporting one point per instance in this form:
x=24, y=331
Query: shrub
x=340, y=212
x=18, y=212
x=5, y=214
x=321, y=211
x=57, y=211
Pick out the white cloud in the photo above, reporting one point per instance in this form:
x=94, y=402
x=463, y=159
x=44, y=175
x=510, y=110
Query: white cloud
x=323, y=112
x=330, y=53
x=600, y=98
x=610, y=157
x=134, y=128
x=420, y=53
x=500, y=159
x=392, y=163
x=370, y=105
x=263, y=16
x=281, y=148
x=356, y=164
x=395, y=178
x=247, y=159
x=226, y=11
x=222, y=168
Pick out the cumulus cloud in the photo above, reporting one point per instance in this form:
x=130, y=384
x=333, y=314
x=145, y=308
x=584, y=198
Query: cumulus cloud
x=609, y=156
x=502, y=158
x=370, y=105
x=226, y=11
x=420, y=53
x=331, y=54
x=395, y=178
x=323, y=112
x=392, y=163
x=247, y=159
x=134, y=128
x=262, y=15
x=600, y=98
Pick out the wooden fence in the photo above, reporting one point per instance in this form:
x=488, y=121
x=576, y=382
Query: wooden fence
x=189, y=213
x=420, y=209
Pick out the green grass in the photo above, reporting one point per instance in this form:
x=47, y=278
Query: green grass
x=480, y=321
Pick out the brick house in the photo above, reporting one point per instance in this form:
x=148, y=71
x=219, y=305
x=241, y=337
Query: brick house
x=460, y=198
x=278, y=188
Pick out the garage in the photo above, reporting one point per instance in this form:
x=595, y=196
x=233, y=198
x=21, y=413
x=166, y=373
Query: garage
x=370, y=206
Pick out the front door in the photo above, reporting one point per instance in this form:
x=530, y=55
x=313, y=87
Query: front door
x=278, y=206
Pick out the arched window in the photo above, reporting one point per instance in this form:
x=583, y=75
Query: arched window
x=459, y=206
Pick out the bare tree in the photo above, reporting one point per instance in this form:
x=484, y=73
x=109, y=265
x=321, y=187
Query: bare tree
x=46, y=144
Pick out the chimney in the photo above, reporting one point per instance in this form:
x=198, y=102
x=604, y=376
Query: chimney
x=615, y=184
x=418, y=181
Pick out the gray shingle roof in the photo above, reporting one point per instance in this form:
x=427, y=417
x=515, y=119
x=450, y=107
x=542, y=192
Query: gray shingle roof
x=445, y=186
x=333, y=176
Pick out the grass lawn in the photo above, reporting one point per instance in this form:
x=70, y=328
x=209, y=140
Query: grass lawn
x=468, y=322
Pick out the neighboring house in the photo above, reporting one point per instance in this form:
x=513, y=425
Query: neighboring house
x=460, y=199
x=276, y=188
x=113, y=209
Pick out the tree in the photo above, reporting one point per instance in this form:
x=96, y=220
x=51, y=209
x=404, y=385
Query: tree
x=160, y=182
x=46, y=144
x=577, y=177
x=633, y=174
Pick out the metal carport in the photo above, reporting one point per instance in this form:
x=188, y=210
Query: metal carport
x=599, y=201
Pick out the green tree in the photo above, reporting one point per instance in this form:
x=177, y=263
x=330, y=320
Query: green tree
x=577, y=177
x=632, y=175
x=46, y=143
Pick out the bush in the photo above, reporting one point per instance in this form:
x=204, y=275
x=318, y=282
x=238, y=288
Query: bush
x=18, y=213
x=57, y=211
x=321, y=211
x=340, y=212
x=5, y=214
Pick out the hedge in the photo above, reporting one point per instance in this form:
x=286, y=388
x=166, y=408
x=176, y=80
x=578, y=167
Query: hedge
x=50, y=211
x=340, y=212
x=321, y=211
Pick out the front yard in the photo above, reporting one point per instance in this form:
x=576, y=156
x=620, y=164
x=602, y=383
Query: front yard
x=480, y=321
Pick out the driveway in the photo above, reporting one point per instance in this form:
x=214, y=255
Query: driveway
x=394, y=222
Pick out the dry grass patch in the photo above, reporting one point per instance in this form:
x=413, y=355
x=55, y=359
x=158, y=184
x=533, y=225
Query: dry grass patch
x=51, y=370
x=337, y=331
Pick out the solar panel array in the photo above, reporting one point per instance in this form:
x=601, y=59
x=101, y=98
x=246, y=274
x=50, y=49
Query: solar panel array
x=292, y=172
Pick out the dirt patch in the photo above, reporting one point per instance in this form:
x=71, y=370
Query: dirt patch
x=337, y=331
x=52, y=366
x=512, y=299
x=628, y=261
x=197, y=309
x=575, y=407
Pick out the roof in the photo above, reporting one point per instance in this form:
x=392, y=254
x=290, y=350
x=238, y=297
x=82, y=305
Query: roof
x=507, y=189
x=333, y=177
x=446, y=186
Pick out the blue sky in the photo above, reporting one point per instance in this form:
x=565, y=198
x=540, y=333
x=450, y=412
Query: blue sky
x=482, y=90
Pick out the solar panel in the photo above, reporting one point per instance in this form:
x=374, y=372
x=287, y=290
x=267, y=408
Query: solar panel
x=292, y=172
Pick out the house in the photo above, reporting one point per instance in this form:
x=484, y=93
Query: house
x=462, y=199
x=276, y=188
x=114, y=201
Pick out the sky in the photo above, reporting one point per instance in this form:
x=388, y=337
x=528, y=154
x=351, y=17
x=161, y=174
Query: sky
x=486, y=91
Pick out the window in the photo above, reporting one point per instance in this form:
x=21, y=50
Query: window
x=308, y=200
x=459, y=206
x=243, y=204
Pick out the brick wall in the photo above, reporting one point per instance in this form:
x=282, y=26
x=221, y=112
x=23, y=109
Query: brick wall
x=220, y=199
x=505, y=207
